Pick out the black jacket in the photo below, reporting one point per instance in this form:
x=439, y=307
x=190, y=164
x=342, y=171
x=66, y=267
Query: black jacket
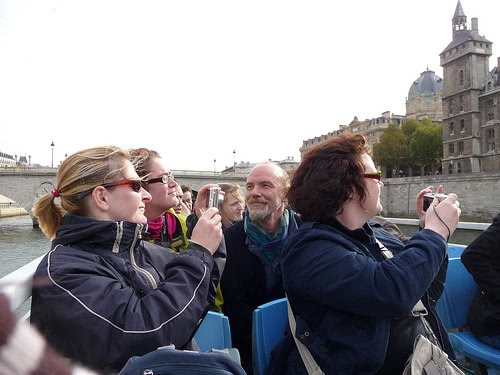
x=110, y=295
x=482, y=260
x=246, y=285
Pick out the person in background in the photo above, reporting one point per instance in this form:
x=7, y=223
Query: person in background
x=187, y=197
x=109, y=294
x=390, y=227
x=181, y=208
x=355, y=289
x=252, y=275
x=233, y=207
x=165, y=228
x=482, y=260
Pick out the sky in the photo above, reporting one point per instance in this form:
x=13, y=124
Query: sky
x=197, y=80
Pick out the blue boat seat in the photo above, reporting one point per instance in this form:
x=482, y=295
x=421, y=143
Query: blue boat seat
x=455, y=251
x=214, y=332
x=268, y=327
x=453, y=306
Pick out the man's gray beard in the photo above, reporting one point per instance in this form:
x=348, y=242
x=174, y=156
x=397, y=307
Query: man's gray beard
x=258, y=214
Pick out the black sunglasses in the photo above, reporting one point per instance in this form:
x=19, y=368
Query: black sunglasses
x=134, y=184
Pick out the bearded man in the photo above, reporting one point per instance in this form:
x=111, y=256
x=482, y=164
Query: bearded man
x=252, y=275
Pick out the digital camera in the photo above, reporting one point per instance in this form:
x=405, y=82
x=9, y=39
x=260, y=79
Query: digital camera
x=215, y=197
x=429, y=197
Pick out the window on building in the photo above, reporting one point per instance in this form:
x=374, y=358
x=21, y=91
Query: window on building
x=490, y=140
x=461, y=77
x=452, y=130
x=459, y=168
x=450, y=108
x=450, y=168
x=461, y=148
x=491, y=116
x=462, y=103
x=462, y=125
x=451, y=148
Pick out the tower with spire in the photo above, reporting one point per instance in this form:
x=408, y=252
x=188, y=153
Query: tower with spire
x=465, y=63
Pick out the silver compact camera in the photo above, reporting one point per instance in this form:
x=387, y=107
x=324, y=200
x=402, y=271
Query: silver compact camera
x=429, y=197
x=215, y=197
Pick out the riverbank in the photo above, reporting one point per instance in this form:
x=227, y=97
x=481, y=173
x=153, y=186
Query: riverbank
x=9, y=208
x=7, y=211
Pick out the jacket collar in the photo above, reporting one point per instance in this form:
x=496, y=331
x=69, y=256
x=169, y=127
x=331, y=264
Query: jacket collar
x=96, y=235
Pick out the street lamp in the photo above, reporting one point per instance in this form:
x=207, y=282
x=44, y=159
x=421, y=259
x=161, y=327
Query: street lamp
x=215, y=161
x=52, y=145
x=234, y=160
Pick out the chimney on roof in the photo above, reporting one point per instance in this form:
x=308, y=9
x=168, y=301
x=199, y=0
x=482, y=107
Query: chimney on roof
x=474, y=24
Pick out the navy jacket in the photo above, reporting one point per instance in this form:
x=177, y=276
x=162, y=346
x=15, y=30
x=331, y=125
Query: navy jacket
x=249, y=280
x=110, y=295
x=344, y=294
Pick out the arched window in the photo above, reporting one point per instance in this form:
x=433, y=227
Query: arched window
x=461, y=77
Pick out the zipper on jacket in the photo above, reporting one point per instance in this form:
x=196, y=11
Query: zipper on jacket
x=137, y=235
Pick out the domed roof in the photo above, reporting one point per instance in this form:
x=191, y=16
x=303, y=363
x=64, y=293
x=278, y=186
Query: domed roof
x=428, y=81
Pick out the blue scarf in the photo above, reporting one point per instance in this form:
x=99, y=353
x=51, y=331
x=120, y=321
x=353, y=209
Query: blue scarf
x=269, y=245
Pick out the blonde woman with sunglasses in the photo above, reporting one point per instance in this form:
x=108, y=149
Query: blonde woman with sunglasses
x=107, y=294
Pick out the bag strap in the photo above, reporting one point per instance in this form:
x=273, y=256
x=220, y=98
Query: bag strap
x=309, y=362
x=419, y=309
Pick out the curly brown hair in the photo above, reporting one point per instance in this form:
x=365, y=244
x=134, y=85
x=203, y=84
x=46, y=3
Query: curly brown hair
x=327, y=177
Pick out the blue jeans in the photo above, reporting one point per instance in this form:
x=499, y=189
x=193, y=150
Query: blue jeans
x=492, y=340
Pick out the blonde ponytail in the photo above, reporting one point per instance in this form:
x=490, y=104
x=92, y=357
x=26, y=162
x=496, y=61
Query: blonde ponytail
x=49, y=214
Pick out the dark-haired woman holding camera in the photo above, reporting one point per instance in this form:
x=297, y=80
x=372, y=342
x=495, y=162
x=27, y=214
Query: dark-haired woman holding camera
x=352, y=301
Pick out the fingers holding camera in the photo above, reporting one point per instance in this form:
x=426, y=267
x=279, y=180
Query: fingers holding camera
x=201, y=198
x=208, y=230
x=420, y=202
x=442, y=217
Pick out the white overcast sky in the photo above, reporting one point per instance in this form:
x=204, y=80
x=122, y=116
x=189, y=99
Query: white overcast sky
x=196, y=80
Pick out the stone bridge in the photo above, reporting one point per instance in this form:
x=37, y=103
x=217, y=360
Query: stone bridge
x=25, y=185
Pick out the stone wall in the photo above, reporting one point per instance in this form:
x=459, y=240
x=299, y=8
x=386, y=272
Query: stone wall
x=478, y=193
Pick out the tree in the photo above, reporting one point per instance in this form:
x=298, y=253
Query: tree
x=426, y=146
x=392, y=150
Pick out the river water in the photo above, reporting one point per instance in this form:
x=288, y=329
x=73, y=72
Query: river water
x=20, y=243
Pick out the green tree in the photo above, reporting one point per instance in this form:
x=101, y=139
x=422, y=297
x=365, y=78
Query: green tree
x=392, y=150
x=426, y=146
x=409, y=127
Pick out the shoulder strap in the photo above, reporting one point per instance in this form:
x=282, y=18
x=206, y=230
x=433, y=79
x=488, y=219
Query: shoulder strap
x=309, y=362
x=419, y=308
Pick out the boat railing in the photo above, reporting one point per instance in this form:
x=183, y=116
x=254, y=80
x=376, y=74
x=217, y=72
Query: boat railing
x=17, y=285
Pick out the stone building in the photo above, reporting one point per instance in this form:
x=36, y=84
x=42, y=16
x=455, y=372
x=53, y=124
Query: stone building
x=7, y=160
x=372, y=129
x=424, y=97
x=471, y=101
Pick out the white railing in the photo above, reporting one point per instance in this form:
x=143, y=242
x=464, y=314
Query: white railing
x=461, y=224
x=17, y=285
